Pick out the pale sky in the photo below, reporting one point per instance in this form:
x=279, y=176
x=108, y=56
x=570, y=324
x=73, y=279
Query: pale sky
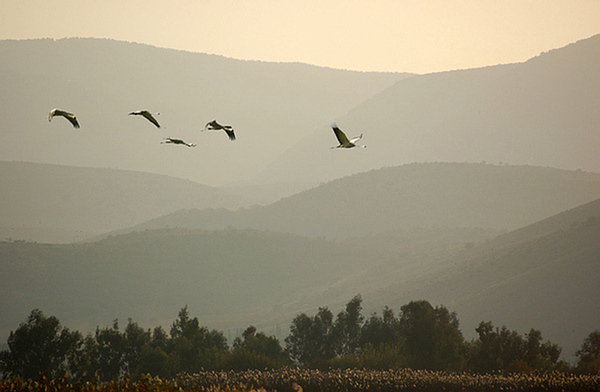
x=419, y=36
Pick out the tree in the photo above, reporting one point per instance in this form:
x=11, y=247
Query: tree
x=495, y=349
x=135, y=338
x=84, y=363
x=192, y=347
x=347, y=327
x=109, y=353
x=39, y=346
x=153, y=361
x=589, y=354
x=380, y=331
x=184, y=350
x=499, y=349
x=431, y=338
x=540, y=355
x=380, y=344
x=311, y=340
x=153, y=356
x=256, y=351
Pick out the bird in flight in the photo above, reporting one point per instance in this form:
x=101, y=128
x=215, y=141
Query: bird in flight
x=69, y=116
x=344, y=142
x=215, y=126
x=148, y=116
x=169, y=140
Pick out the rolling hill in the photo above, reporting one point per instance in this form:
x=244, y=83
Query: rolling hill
x=54, y=203
x=543, y=112
x=270, y=105
x=230, y=279
x=420, y=195
x=543, y=276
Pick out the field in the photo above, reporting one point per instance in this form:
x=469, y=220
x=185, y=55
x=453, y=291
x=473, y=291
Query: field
x=299, y=380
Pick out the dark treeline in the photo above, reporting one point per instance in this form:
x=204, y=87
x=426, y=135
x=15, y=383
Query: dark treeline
x=421, y=337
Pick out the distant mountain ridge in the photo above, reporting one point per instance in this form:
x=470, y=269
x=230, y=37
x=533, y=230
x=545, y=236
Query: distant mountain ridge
x=419, y=195
x=574, y=217
x=543, y=112
x=54, y=203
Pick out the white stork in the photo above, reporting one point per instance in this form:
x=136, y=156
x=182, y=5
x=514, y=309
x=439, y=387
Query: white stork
x=69, y=116
x=344, y=142
x=147, y=115
x=169, y=140
x=215, y=126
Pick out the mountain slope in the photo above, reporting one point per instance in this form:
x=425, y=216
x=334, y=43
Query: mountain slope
x=543, y=276
x=427, y=195
x=542, y=112
x=53, y=203
x=229, y=278
x=270, y=105
x=234, y=278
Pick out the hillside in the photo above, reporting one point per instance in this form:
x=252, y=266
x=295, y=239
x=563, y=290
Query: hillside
x=544, y=276
x=420, y=195
x=543, y=112
x=54, y=203
x=234, y=278
x=230, y=279
x=270, y=105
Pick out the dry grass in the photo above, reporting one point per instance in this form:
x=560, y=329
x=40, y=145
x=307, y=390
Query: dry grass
x=302, y=380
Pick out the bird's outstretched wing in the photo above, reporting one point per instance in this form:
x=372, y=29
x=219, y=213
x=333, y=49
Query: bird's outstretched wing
x=73, y=120
x=355, y=139
x=150, y=118
x=341, y=136
x=147, y=115
x=229, y=131
x=69, y=116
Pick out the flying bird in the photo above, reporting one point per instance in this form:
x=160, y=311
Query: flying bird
x=215, y=126
x=344, y=142
x=169, y=140
x=69, y=116
x=148, y=116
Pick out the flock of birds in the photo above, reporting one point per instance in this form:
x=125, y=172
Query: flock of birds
x=210, y=126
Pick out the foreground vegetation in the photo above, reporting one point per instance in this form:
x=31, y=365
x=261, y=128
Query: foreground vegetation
x=320, y=347
x=312, y=380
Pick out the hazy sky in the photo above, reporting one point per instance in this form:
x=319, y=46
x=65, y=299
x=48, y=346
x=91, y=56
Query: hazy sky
x=369, y=35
